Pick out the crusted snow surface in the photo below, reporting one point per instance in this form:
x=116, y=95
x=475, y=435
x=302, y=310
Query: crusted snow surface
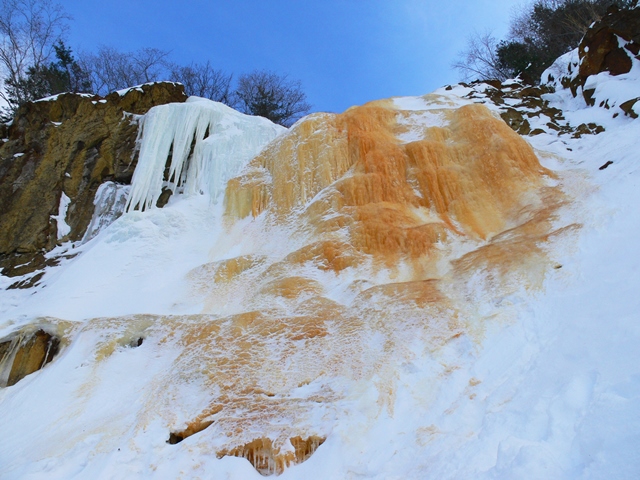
x=225, y=140
x=551, y=390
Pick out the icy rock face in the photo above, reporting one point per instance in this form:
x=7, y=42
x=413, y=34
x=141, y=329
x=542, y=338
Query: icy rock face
x=110, y=203
x=373, y=202
x=260, y=453
x=202, y=143
x=350, y=249
x=467, y=173
x=24, y=354
x=65, y=147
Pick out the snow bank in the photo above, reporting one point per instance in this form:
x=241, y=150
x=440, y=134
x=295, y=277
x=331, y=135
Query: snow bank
x=565, y=67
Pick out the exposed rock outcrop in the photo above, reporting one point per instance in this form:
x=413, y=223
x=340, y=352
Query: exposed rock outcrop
x=24, y=354
x=54, y=156
x=609, y=44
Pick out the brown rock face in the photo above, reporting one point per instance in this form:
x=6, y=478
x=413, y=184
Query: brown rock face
x=627, y=107
x=601, y=50
x=69, y=145
x=26, y=354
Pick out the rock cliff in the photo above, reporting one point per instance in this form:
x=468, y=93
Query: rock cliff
x=53, y=157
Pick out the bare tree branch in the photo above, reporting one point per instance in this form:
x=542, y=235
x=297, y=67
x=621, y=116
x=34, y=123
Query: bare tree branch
x=479, y=60
x=271, y=96
x=202, y=80
x=29, y=29
x=112, y=70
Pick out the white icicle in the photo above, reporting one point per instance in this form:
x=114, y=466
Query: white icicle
x=225, y=140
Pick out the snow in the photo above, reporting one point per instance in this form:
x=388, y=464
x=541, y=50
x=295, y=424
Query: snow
x=548, y=388
x=53, y=98
x=124, y=91
x=566, y=65
x=615, y=90
x=411, y=103
x=420, y=113
x=3, y=102
x=61, y=217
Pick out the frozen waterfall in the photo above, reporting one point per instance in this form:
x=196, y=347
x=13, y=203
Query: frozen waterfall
x=194, y=147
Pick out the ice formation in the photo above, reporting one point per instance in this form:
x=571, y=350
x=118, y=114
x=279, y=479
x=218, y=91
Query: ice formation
x=202, y=143
x=110, y=202
x=468, y=174
x=398, y=291
x=61, y=217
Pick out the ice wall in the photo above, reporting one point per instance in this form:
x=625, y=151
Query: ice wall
x=470, y=174
x=194, y=147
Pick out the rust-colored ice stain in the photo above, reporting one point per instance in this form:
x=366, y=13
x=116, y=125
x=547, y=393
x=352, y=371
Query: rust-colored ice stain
x=384, y=215
x=370, y=202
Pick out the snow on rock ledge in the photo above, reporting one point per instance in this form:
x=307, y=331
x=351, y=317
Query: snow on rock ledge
x=207, y=141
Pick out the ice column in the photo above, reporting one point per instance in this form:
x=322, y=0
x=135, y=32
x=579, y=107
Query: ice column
x=225, y=140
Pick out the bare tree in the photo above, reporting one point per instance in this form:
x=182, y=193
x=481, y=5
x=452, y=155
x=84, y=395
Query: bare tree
x=111, y=69
x=202, y=80
x=540, y=31
x=29, y=30
x=479, y=60
x=563, y=21
x=271, y=96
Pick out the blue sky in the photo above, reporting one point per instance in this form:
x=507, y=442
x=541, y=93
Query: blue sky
x=345, y=52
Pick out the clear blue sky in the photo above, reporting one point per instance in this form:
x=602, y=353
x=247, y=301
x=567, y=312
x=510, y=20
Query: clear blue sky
x=345, y=52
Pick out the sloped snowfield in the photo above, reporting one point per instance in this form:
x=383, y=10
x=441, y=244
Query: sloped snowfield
x=548, y=386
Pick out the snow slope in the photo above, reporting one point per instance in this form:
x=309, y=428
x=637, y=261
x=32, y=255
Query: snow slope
x=537, y=377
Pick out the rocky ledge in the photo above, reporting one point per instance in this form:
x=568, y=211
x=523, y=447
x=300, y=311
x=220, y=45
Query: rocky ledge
x=54, y=155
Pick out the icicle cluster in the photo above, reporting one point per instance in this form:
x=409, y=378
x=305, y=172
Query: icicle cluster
x=207, y=142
